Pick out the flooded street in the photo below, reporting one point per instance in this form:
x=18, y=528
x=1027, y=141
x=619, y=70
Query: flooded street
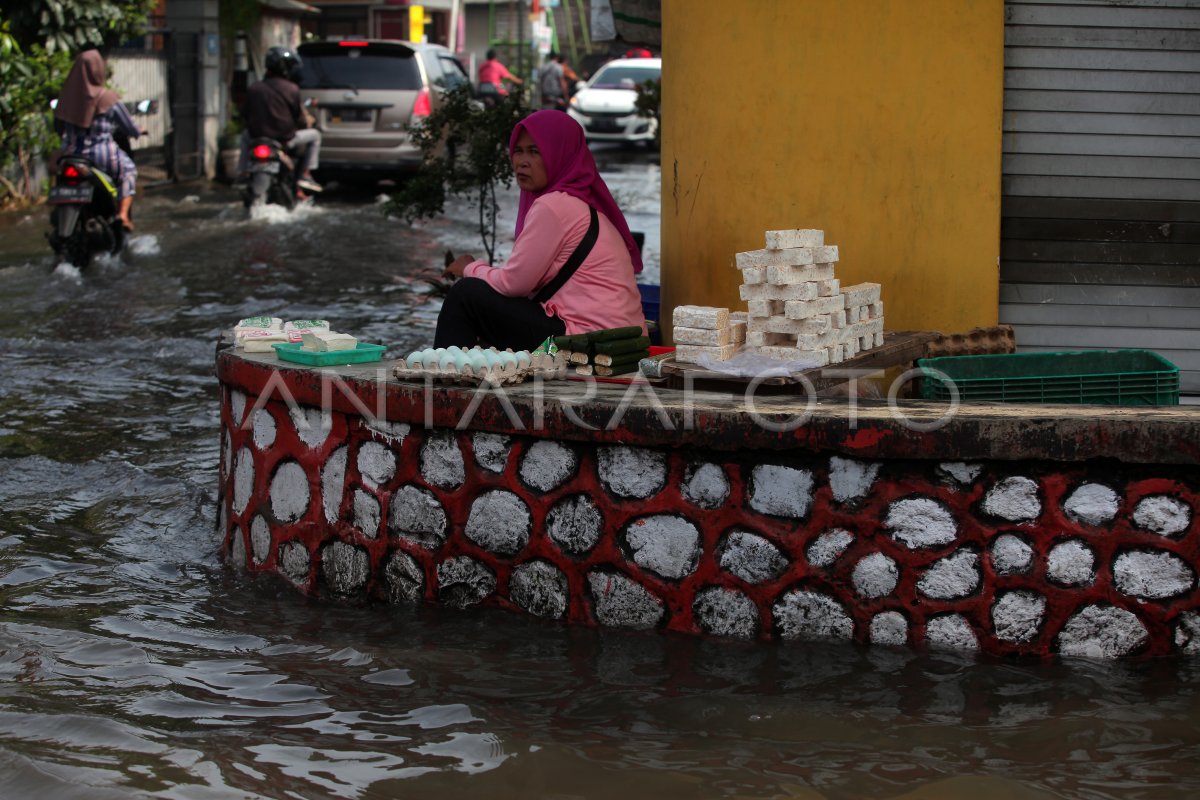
x=135, y=664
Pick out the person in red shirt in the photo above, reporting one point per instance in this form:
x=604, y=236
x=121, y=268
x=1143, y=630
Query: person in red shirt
x=492, y=72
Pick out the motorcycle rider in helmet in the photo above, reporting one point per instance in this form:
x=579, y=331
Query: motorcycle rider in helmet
x=273, y=109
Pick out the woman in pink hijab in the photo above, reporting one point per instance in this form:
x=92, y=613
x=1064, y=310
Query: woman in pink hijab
x=87, y=116
x=573, y=263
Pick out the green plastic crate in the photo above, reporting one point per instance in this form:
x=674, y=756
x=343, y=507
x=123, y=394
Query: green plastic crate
x=1104, y=377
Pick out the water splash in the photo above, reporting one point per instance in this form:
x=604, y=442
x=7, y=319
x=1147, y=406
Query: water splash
x=144, y=245
x=68, y=272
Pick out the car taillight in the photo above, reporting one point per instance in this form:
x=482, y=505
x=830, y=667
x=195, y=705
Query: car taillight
x=422, y=107
x=352, y=43
x=262, y=152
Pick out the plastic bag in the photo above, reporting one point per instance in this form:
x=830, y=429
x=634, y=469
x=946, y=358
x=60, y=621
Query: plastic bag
x=752, y=364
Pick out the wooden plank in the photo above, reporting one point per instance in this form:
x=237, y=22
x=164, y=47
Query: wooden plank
x=1087, y=166
x=1099, y=208
x=1108, y=188
x=1095, y=80
x=1109, y=274
x=1106, y=144
x=1053, y=295
x=1099, y=230
x=1093, y=3
x=1118, y=101
x=899, y=348
x=1111, y=16
x=1101, y=59
x=1084, y=36
x=1059, y=312
x=1134, y=124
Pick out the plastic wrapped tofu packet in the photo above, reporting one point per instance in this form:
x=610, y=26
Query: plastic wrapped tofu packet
x=752, y=364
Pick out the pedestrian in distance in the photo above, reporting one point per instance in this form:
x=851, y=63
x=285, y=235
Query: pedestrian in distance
x=493, y=74
x=574, y=261
x=553, y=84
x=90, y=118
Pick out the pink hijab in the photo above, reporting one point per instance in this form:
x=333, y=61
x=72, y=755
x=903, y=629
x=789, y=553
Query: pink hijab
x=570, y=168
x=83, y=94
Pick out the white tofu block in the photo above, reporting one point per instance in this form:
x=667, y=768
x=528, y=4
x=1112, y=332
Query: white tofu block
x=861, y=294
x=774, y=258
x=821, y=323
x=752, y=275
x=257, y=324
x=821, y=357
x=709, y=337
x=853, y=314
x=765, y=308
x=798, y=237
x=785, y=275
x=876, y=309
x=858, y=330
x=701, y=317
x=878, y=339
x=838, y=318
x=758, y=324
x=756, y=338
x=865, y=343
x=263, y=344
x=829, y=288
x=800, y=309
x=329, y=342
x=816, y=341
x=793, y=291
x=837, y=353
x=738, y=316
x=690, y=353
x=825, y=255
x=851, y=347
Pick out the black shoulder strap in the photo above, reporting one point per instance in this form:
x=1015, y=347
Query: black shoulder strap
x=573, y=262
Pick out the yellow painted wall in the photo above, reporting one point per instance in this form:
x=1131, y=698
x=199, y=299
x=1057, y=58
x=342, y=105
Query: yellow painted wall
x=877, y=121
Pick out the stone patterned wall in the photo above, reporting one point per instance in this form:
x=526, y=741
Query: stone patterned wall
x=1095, y=559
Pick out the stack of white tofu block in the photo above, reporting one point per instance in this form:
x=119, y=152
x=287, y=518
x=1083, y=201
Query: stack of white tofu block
x=707, y=331
x=797, y=309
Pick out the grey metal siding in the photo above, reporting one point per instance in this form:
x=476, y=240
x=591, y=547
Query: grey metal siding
x=1101, y=177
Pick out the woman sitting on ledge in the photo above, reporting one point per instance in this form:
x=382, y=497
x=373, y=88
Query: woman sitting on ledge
x=571, y=269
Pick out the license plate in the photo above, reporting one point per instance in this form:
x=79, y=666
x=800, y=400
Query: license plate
x=265, y=166
x=605, y=126
x=61, y=195
x=350, y=115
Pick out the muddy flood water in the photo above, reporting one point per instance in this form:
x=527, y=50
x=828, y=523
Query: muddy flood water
x=134, y=663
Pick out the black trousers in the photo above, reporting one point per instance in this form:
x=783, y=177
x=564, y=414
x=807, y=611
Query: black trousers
x=476, y=314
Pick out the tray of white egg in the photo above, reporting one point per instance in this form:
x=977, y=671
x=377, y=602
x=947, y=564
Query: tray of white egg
x=472, y=365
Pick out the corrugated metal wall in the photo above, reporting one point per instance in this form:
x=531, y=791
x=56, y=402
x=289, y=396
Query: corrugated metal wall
x=1101, y=189
x=143, y=76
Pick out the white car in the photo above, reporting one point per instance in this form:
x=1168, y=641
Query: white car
x=605, y=105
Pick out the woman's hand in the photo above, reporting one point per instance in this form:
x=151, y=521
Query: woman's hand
x=456, y=267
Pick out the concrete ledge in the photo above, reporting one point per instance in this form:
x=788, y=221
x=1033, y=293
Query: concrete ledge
x=1030, y=530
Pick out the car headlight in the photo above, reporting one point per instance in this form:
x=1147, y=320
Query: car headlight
x=575, y=102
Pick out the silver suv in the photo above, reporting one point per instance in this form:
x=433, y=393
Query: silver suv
x=367, y=91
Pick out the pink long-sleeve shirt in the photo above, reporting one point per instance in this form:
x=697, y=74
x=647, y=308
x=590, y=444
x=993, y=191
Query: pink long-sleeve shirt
x=601, y=294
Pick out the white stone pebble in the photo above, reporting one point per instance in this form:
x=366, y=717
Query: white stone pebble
x=875, y=575
x=1011, y=555
x=1163, y=514
x=1102, y=631
x=956, y=575
x=706, y=485
x=889, y=628
x=850, y=479
x=1092, y=504
x=1014, y=499
x=1071, y=563
x=781, y=491
x=664, y=544
x=1152, y=575
x=1017, y=615
x=918, y=522
x=805, y=615
x=631, y=471
x=952, y=632
x=826, y=548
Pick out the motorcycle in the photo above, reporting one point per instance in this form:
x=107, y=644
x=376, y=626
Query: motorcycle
x=83, y=200
x=272, y=177
x=83, y=217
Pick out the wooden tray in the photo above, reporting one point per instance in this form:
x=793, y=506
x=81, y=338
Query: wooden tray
x=899, y=349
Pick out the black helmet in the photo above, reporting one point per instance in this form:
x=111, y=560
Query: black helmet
x=283, y=62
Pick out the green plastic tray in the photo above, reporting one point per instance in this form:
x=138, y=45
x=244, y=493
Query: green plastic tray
x=1103, y=377
x=295, y=352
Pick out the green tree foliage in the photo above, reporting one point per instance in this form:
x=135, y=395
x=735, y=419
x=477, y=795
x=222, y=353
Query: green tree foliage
x=75, y=25
x=29, y=80
x=465, y=145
